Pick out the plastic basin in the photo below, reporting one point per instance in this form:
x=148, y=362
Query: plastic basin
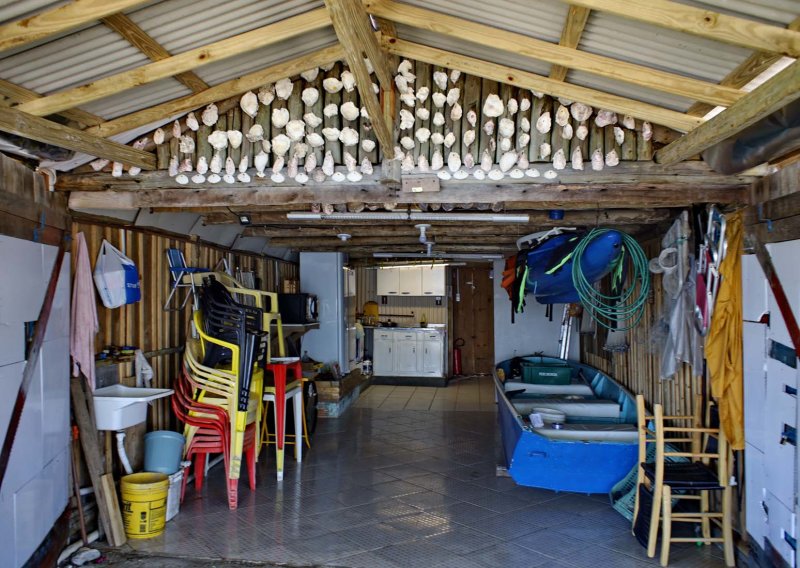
x=118, y=407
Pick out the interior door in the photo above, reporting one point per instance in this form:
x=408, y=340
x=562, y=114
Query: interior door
x=473, y=318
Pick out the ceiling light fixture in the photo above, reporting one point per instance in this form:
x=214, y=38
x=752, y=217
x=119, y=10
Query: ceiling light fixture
x=453, y=256
x=244, y=219
x=410, y=216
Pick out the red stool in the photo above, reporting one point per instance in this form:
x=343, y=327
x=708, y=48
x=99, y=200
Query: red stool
x=280, y=367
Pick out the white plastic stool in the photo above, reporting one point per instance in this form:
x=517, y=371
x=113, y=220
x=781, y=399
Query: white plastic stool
x=296, y=395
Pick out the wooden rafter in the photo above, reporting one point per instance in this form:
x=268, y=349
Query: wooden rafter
x=57, y=20
x=356, y=36
x=773, y=95
x=218, y=92
x=745, y=72
x=703, y=23
x=577, y=17
x=17, y=94
x=503, y=74
x=142, y=41
x=527, y=46
x=49, y=132
x=186, y=61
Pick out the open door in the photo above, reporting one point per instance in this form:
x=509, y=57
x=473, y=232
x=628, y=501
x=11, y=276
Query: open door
x=473, y=318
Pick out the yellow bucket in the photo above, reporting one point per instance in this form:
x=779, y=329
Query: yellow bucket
x=144, y=504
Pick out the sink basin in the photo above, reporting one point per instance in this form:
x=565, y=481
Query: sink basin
x=118, y=407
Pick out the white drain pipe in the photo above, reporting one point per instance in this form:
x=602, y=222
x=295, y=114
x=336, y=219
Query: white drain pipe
x=123, y=457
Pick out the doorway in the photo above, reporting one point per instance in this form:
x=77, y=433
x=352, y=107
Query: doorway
x=473, y=318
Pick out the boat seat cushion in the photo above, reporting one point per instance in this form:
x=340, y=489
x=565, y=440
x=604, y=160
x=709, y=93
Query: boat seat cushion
x=577, y=387
x=585, y=408
x=587, y=432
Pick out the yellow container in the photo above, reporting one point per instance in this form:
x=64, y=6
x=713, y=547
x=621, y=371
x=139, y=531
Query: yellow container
x=144, y=504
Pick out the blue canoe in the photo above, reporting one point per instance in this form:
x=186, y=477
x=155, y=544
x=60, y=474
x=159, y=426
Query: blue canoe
x=595, y=446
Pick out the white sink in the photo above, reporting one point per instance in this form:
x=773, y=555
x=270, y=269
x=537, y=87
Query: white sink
x=118, y=407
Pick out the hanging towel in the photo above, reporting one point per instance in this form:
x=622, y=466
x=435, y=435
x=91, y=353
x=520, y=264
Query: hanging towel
x=83, y=326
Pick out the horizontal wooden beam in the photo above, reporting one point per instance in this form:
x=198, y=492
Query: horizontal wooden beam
x=527, y=46
x=525, y=79
x=186, y=61
x=49, y=132
x=703, y=23
x=218, y=92
x=17, y=94
x=773, y=95
x=60, y=19
x=577, y=17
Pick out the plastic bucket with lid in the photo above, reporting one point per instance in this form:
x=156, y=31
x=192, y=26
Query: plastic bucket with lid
x=144, y=504
x=163, y=451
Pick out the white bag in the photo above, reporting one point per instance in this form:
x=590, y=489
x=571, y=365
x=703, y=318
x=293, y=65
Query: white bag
x=116, y=277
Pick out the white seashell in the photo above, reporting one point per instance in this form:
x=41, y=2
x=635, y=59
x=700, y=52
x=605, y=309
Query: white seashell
x=310, y=74
x=524, y=105
x=505, y=144
x=439, y=99
x=495, y=174
x=99, y=164
x=582, y=131
x=493, y=106
x=256, y=133
x=292, y=168
x=198, y=178
x=366, y=167
x=327, y=66
x=332, y=85
x=338, y=177
x=456, y=112
x=597, y=160
x=422, y=163
x=516, y=173
x=619, y=135
x=348, y=136
x=312, y=120
x=367, y=145
x=532, y=172
x=230, y=167
x=438, y=119
x=566, y=132
x=216, y=164
x=243, y=177
x=278, y=164
x=176, y=129
x=331, y=134
x=479, y=174
x=461, y=174
x=562, y=115
x=210, y=115
x=452, y=96
x=647, y=131
x=422, y=93
x=401, y=83
x=405, y=67
x=218, y=139
x=550, y=174
x=116, y=169
x=408, y=98
x=468, y=138
x=280, y=116
x=612, y=159
x=512, y=107
x=629, y=122
x=486, y=161
x=443, y=175
x=564, y=101
x=158, y=137
x=440, y=79
x=437, y=161
x=295, y=130
x=453, y=161
x=191, y=121
x=605, y=117
x=234, y=138
x=185, y=166
x=202, y=165
x=577, y=158
x=437, y=139
x=331, y=110
x=249, y=103
x=311, y=163
x=348, y=81
x=523, y=139
x=469, y=160
x=266, y=145
x=488, y=127
x=580, y=112
x=280, y=144
x=407, y=142
x=543, y=123
x=182, y=179
x=243, y=163
x=310, y=95
x=301, y=177
x=522, y=161
x=213, y=178
x=422, y=113
x=507, y=161
x=407, y=165
x=349, y=111
x=449, y=140
x=559, y=160
x=319, y=176
x=505, y=127
x=472, y=117
x=277, y=177
x=525, y=124
x=266, y=95
x=544, y=150
x=284, y=88
x=186, y=144
x=354, y=176
x=406, y=119
x=454, y=75
x=398, y=153
x=260, y=163
x=349, y=161
x=327, y=164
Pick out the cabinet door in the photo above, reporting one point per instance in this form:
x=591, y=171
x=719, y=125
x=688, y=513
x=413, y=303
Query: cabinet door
x=388, y=282
x=410, y=281
x=433, y=281
x=406, y=355
x=432, y=351
x=382, y=354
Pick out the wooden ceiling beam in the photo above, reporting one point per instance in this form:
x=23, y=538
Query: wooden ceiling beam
x=354, y=31
x=218, y=92
x=57, y=20
x=503, y=74
x=49, y=132
x=16, y=94
x=703, y=23
x=142, y=41
x=533, y=48
x=577, y=17
x=773, y=95
x=186, y=61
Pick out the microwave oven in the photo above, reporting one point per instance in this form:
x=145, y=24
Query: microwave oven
x=298, y=308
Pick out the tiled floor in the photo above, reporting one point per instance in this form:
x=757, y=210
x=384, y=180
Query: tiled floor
x=389, y=485
x=467, y=394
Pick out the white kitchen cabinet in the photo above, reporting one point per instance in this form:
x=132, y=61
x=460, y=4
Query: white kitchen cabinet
x=433, y=281
x=388, y=282
x=432, y=353
x=409, y=353
x=382, y=353
x=410, y=281
x=406, y=354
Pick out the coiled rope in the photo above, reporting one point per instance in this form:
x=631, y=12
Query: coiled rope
x=621, y=311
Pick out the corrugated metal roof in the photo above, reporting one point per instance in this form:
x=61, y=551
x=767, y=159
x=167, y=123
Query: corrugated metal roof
x=137, y=98
x=778, y=12
x=18, y=9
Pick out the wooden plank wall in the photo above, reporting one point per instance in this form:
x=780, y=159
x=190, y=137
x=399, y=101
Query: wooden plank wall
x=145, y=324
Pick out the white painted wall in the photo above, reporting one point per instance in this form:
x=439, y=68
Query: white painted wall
x=531, y=331
x=35, y=491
